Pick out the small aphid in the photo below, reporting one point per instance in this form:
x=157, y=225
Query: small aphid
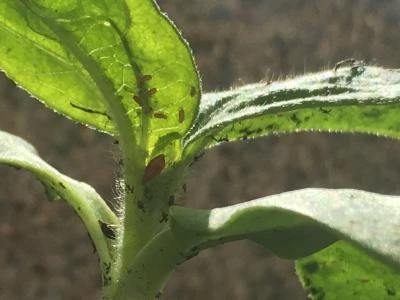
x=154, y=168
x=62, y=185
x=181, y=116
x=107, y=230
x=164, y=217
x=129, y=188
x=140, y=205
x=160, y=115
x=192, y=91
x=116, y=142
x=152, y=91
x=107, y=267
x=137, y=99
x=146, y=78
x=325, y=111
x=171, y=200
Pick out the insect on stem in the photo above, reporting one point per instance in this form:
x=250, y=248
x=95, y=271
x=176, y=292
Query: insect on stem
x=153, y=168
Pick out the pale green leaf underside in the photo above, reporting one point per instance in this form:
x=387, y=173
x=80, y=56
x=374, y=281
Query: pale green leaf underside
x=296, y=224
x=89, y=59
x=352, y=99
x=344, y=272
x=16, y=152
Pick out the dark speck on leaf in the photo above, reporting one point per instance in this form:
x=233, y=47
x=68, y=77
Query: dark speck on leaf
x=152, y=91
x=181, y=116
x=140, y=205
x=390, y=291
x=160, y=115
x=324, y=110
x=295, y=119
x=138, y=100
x=311, y=267
x=171, y=200
x=146, y=78
x=192, y=91
x=164, y=217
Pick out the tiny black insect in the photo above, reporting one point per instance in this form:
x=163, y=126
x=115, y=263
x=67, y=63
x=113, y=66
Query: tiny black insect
x=164, y=217
x=140, y=205
x=129, y=188
x=171, y=200
x=107, y=230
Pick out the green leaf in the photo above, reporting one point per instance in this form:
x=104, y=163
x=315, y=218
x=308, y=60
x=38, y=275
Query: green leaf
x=343, y=272
x=298, y=223
x=93, y=61
x=351, y=99
x=92, y=209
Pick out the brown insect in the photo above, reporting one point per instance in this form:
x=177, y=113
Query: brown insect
x=181, y=115
x=138, y=100
x=107, y=230
x=154, y=168
x=160, y=115
x=152, y=91
x=192, y=91
x=142, y=80
x=146, y=78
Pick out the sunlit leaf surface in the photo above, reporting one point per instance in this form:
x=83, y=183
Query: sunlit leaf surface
x=351, y=99
x=101, y=62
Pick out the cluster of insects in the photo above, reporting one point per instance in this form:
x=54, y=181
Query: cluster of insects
x=144, y=93
x=157, y=164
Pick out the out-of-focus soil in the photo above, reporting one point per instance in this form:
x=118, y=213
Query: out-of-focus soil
x=44, y=250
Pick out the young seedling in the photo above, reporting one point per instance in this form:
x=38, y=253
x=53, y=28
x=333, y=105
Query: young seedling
x=121, y=67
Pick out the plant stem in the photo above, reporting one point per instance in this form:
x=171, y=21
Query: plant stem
x=145, y=277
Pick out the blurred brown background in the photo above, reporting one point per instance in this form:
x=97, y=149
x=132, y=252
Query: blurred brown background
x=44, y=249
